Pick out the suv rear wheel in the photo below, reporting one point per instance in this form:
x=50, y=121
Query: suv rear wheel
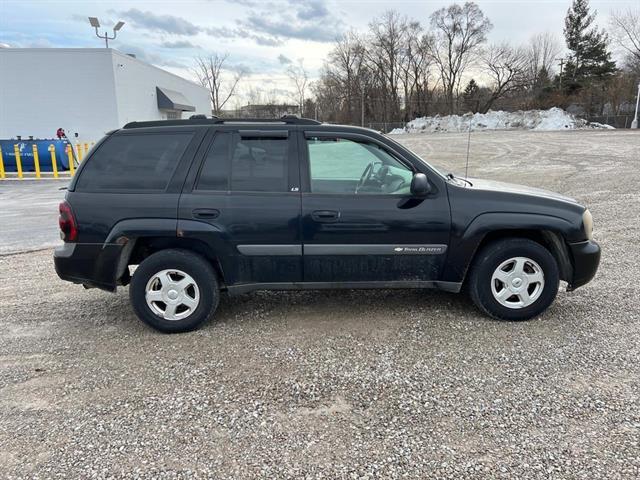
x=174, y=291
x=514, y=279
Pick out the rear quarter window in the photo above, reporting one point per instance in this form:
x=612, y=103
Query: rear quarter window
x=143, y=161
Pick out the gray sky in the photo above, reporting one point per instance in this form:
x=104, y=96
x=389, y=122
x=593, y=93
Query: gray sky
x=260, y=36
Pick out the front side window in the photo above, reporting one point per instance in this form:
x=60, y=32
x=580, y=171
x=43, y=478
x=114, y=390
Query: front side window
x=142, y=161
x=343, y=166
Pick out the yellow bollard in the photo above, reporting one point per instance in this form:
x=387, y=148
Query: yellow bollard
x=2, y=175
x=86, y=150
x=72, y=168
x=36, y=160
x=16, y=150
x=54, y=164
x=79, y=151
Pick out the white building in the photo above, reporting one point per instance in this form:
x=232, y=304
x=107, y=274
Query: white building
x=88, y=91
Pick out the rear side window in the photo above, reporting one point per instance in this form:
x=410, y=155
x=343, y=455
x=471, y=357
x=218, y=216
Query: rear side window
x=246, y=164
x=260, y=165
x=214, y=174
x=134, y=162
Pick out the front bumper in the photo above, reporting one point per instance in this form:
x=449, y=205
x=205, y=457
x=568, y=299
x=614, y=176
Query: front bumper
x=91, y=264
x=586, y=258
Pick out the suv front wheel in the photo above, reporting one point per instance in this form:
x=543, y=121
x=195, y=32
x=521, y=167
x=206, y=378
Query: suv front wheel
x=174, y=291
x=514, y=279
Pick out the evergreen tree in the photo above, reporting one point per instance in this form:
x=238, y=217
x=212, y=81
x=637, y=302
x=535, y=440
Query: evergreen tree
x=543, y=88
x=543, y=79
x=589, y=58
x=471, y=96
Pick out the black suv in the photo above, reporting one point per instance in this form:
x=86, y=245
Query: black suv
x=209, y=205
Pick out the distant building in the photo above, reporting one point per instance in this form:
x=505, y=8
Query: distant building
x=89, y=91
x=263, y=111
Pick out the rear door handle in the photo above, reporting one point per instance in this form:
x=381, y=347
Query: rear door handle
x=325, y=215
x=206, y=213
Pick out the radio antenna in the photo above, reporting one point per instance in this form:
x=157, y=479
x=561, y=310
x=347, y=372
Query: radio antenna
x=466, y=167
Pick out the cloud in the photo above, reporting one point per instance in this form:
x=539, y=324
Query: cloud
x=311, y=9
x=145, y=56
x=310, y=20
x=221, y=32
x=287, y=27
x=244, y=3
x=160, y=23
x=266, y=41
x=178, y=44
x=267, y=23
x=284, y=60
x=239, y=32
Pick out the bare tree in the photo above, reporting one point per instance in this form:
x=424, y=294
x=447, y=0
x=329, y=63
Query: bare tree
x=458, y=34
x=300, y=79
x=346, y=67
x=385, y=54
x=415, y=71
x=625, y=29
x=220, y=81
x=507, y=67
x=542, y=52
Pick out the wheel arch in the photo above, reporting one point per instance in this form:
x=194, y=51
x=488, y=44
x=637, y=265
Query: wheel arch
x=143, y=237
x=550, y=232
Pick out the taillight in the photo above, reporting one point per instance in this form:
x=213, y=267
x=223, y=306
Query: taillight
x=67, y=222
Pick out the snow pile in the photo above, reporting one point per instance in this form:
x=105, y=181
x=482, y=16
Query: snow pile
x=552, y=119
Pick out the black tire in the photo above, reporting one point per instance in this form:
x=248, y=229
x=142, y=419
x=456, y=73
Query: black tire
x=188, y=262
x=491, y=257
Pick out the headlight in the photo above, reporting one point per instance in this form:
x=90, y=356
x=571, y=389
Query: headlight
x=587, y=223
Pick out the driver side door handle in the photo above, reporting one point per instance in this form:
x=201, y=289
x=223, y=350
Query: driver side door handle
x=325, y=216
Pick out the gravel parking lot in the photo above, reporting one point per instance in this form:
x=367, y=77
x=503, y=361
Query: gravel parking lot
x=350, y=384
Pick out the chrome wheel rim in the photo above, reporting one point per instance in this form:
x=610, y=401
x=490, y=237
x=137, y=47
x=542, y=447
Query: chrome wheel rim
x=172, y=294
x=517, y=282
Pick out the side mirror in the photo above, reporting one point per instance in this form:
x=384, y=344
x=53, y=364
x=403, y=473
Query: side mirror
x=420, y=185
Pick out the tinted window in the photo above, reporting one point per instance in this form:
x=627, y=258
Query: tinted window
x=259, y=164
x=340, y=165
x=134, y=162
x=214, y=174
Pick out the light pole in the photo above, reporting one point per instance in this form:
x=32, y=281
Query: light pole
x=634, y=124
x=95, y=23
x=561, y=68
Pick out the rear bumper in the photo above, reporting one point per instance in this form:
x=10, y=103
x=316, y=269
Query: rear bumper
x=91, y=264
x=586, y=258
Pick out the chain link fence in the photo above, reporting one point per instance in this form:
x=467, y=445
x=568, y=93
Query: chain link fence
x=385, y=127
x=617, y=121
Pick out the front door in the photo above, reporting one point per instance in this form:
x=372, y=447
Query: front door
x=360, y=222
x=244, y=194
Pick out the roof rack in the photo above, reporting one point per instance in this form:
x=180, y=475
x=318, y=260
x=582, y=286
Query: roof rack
x=202, y=120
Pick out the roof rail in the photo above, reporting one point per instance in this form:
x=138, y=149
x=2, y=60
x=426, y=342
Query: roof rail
x=202, y=120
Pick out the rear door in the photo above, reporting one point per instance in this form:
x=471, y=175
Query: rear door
x=242, y=198
x=360, y=222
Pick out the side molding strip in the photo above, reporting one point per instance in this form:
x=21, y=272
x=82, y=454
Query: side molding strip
x=330, y=249
x=270, y=250
x=356, y=249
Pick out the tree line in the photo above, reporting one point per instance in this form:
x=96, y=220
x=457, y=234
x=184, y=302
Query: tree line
x=401, y=68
